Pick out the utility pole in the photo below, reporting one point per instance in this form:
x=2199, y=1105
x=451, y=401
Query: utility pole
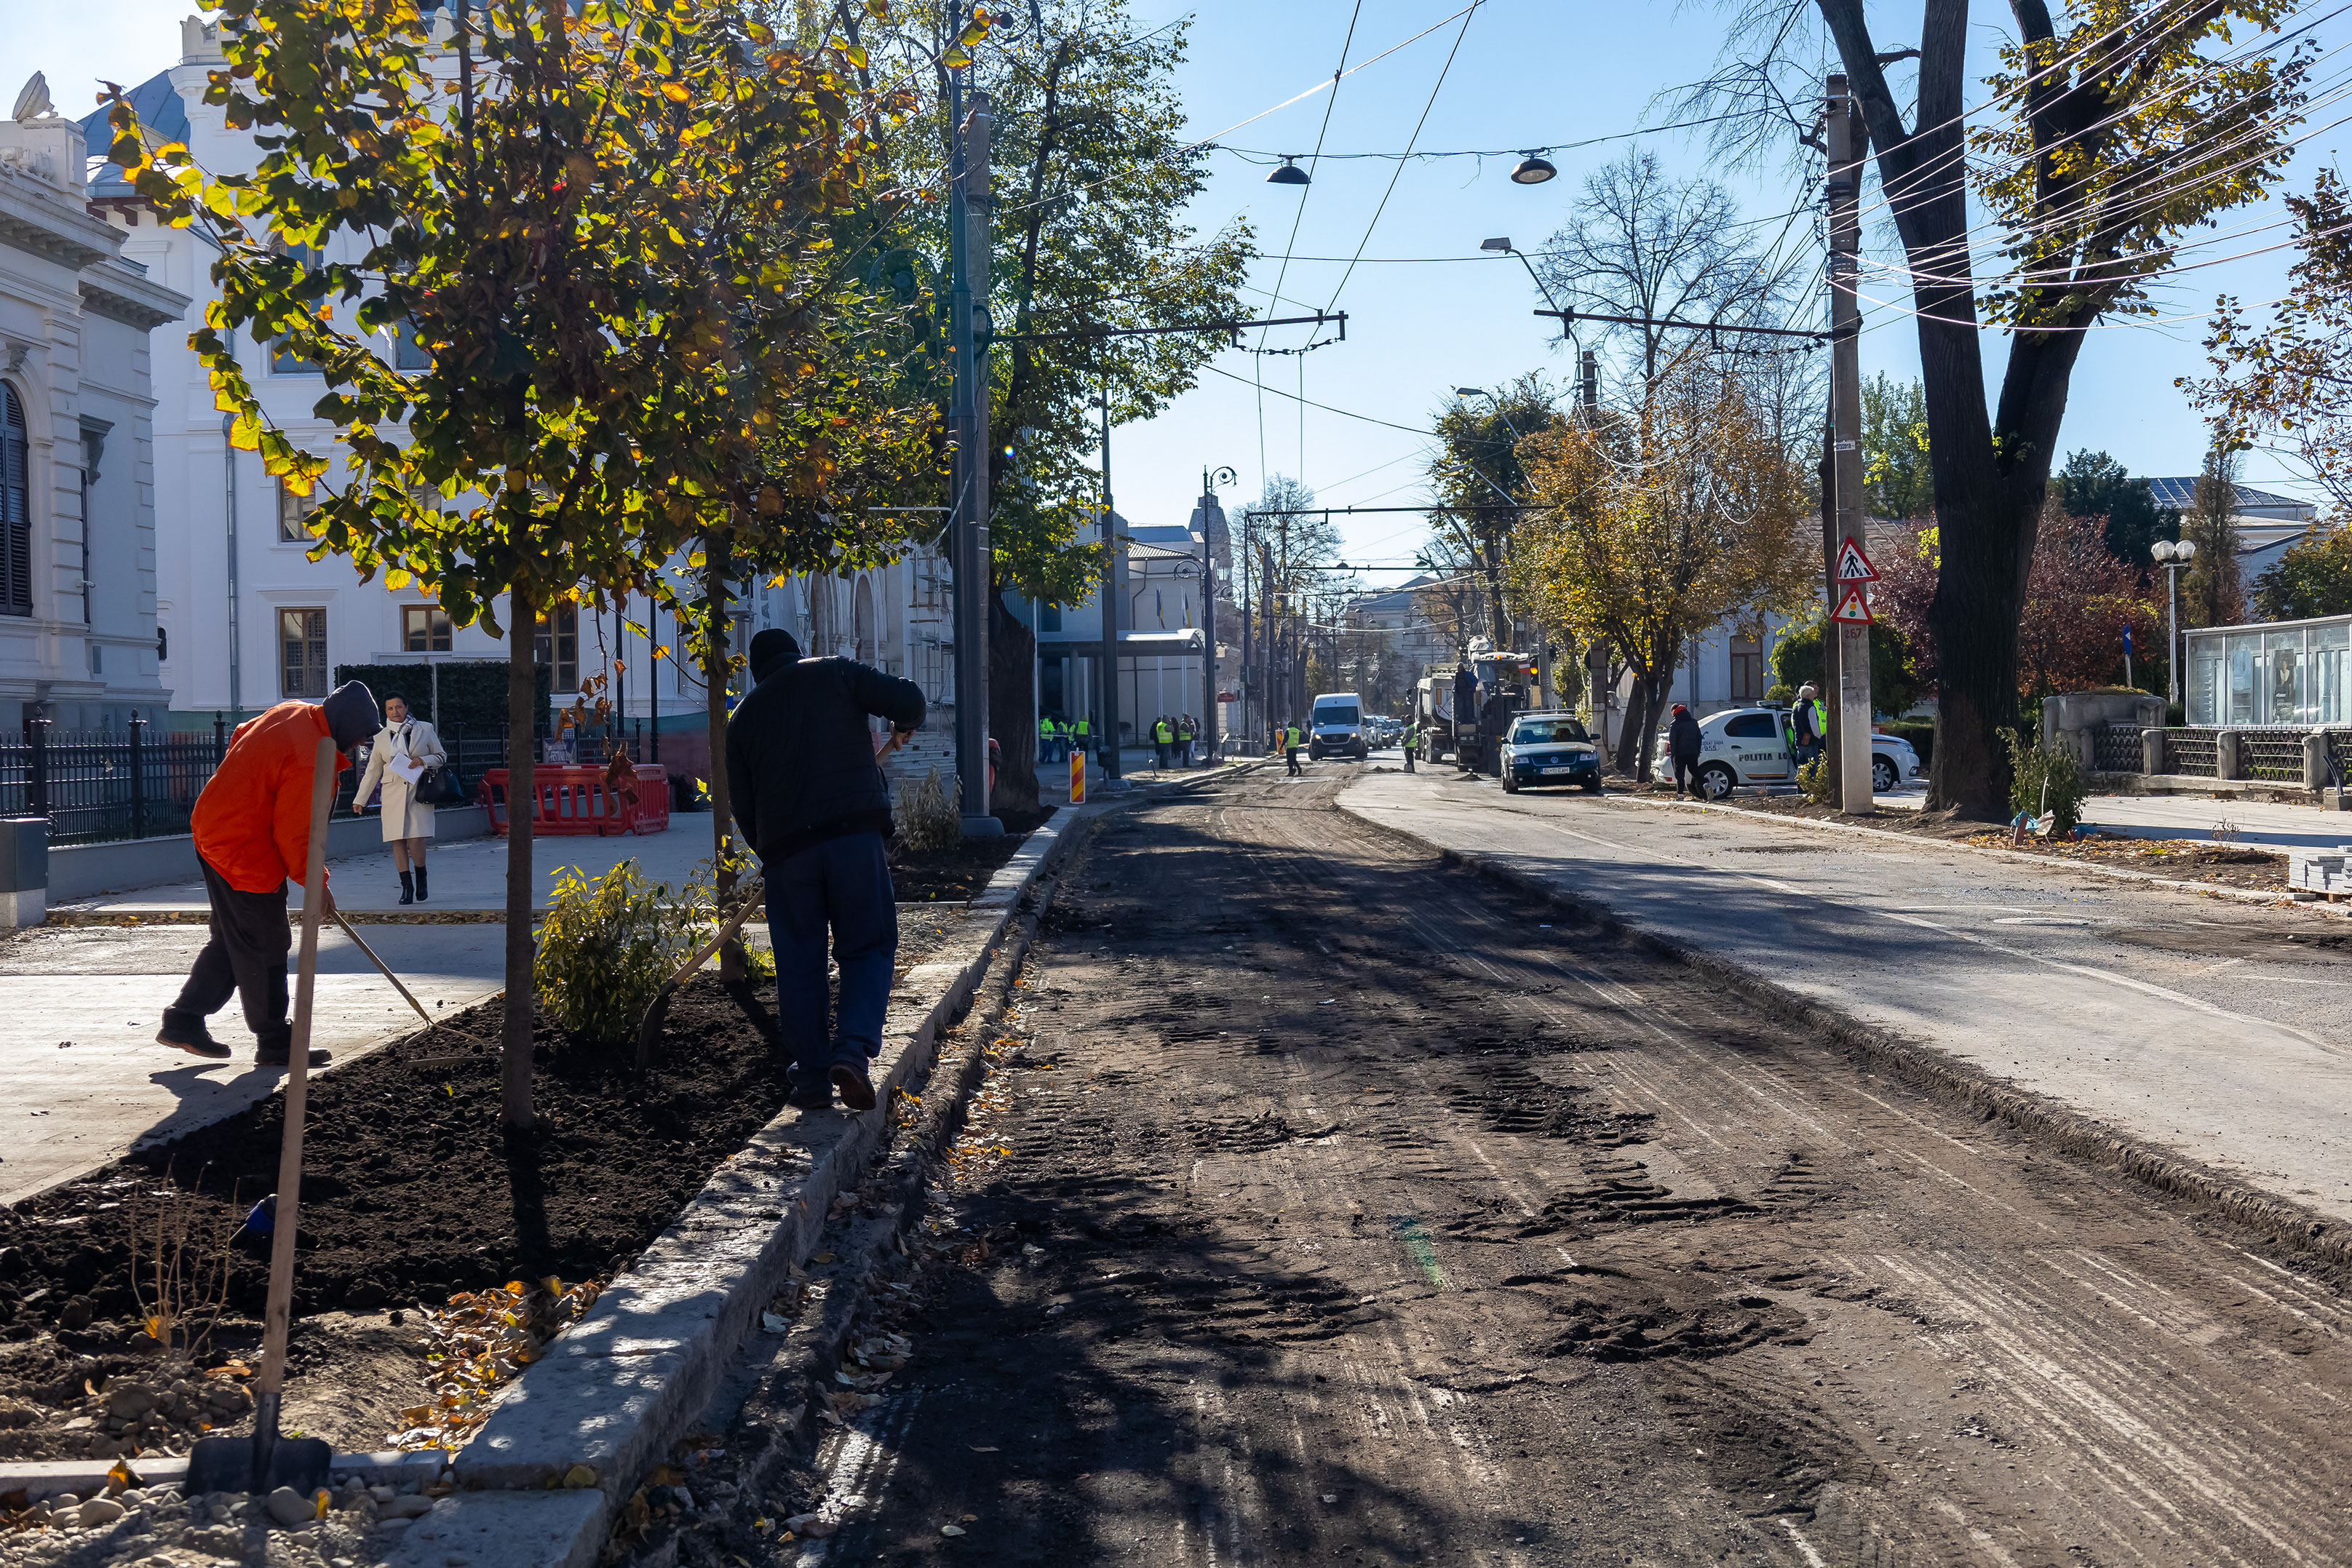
x=967, y=247
x=1113, y=589
x=1213, y=536
x=1853, y=734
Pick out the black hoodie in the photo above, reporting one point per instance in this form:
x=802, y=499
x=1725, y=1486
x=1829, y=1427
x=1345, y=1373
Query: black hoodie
x=799, y=757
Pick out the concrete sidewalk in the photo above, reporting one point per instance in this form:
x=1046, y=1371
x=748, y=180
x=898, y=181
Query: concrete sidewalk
x=2213, y=1030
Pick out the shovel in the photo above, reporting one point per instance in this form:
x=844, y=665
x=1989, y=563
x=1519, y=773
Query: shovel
x=649, y=1029
x=266, y=1461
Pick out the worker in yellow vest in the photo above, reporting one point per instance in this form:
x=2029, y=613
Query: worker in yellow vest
x=1291, y=740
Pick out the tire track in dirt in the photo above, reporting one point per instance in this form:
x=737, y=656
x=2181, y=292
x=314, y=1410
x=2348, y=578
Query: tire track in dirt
x=1336, y=1175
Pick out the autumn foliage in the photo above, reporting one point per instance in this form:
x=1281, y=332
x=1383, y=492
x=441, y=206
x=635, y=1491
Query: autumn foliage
x=2079, y=597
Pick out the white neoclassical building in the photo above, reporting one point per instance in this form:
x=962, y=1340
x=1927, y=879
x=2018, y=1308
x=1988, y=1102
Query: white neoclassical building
x=79, y=644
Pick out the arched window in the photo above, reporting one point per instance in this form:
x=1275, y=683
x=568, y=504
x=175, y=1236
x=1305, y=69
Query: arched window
x=15, y=507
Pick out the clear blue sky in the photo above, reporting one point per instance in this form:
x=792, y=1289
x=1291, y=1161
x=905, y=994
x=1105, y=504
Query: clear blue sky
x=1527, y=73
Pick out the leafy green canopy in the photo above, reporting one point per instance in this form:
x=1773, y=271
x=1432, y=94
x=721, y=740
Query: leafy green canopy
x=620, y=272
x=1092, y=173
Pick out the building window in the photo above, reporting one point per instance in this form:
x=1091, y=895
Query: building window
x=1049, y=617
x=284, y=362
x=408, y=352
x=15, y=507
x=560, y=647
x=1746, y=669
x=302, y=653
x=423, y=629
x=294, y=516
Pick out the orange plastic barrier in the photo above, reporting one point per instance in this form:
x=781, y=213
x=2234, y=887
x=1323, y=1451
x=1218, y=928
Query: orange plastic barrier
x=578, y=800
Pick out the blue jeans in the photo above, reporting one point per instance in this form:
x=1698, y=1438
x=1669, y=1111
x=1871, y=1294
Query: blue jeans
x=841, y=887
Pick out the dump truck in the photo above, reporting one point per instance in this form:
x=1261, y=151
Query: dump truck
x=1464, y=708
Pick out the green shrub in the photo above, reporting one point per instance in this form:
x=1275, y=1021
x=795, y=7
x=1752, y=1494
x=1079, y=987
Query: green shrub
x=1813, y=779
x=603, y=950
x=2042, y=780
x=926, y=814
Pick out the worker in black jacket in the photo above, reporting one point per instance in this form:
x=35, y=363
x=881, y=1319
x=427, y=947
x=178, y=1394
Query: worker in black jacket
x=809, y=796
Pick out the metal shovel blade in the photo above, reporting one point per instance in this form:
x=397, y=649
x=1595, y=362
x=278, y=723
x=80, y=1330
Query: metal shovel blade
x=227, y=1464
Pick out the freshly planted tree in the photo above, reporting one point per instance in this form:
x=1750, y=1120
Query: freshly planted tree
x=543, y=250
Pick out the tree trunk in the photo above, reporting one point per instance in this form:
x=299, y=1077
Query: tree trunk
x=1628, y=734
x=714, y=698
x=1012, y=678
x=522, y=696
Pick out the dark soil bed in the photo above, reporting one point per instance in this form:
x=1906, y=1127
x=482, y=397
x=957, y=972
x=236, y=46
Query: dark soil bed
x=958, y=874
x=409, y=1193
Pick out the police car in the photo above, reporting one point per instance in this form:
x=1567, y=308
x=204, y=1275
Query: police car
x=1550, y=748
x=1747, y=748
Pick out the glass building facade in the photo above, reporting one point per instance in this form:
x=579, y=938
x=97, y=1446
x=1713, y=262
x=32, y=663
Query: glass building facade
x=2286, y=673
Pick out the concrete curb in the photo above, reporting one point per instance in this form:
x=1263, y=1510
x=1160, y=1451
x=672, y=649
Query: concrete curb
x=616, y=1390
x=2122, y=873
x=1926, y=1068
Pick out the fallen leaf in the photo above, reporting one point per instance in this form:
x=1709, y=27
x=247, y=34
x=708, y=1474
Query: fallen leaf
x=951, y=1529
x=821, y=1258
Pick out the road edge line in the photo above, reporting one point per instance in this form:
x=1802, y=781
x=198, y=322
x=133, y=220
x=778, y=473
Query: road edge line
x=2043, y=862
x=1937, y=1072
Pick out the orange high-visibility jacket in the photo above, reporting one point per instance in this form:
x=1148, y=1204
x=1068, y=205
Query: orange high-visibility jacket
x=252, y=821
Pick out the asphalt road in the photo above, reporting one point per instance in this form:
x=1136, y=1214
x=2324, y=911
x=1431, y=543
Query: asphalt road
x=1333, y=1205
x=2213, y=1029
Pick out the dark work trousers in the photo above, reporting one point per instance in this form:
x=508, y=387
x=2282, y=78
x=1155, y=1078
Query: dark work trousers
x=1410, y=752
x=1686, y=773
x=840, y=886
x=246, y=953
x=1290, y=754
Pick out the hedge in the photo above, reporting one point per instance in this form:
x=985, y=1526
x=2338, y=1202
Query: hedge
x=473, y=691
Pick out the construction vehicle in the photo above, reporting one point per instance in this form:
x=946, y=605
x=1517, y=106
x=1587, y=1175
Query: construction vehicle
x=1465, y=709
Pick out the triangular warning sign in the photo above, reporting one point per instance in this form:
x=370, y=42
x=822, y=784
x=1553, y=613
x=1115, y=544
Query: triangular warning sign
x=1853, y=566
x=1852, y=609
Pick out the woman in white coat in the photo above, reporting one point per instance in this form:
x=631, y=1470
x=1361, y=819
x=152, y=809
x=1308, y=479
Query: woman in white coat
x=407, y=822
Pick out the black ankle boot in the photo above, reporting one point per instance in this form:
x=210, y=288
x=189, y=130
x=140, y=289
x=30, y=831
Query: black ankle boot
x=407, y=887
x=420, y=881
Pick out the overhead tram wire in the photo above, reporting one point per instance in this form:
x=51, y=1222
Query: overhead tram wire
x=1298, y=216
x=1411, y=142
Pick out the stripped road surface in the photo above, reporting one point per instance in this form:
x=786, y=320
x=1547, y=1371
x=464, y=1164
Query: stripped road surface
x=1333, y=1205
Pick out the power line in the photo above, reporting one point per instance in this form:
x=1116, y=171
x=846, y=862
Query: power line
x=1398, y=171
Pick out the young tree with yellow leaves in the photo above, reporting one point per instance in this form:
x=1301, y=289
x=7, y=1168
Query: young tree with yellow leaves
x=1655, y=522
x=547, y=240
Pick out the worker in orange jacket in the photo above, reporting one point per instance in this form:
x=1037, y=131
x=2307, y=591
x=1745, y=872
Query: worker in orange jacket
x=252, y=827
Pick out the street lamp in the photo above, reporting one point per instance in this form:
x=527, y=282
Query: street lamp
x=1290, y=173
x=2172, y=557
x=1532, y=170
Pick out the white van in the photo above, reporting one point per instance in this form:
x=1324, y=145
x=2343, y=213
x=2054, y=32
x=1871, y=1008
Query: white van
x=1336, y=728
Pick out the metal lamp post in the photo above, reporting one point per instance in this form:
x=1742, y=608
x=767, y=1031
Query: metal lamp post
x=2172, y=557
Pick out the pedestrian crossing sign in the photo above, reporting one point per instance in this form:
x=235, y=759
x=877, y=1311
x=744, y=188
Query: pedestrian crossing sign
x=1853, y=566
x=1853, y=610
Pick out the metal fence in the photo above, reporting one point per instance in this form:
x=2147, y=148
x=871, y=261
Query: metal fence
x=2117, y=748
x=2191, y=752
x=2274, y=755
x=99, y=786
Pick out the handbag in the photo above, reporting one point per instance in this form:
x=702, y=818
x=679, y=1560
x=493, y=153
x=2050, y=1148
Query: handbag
x=439, y=785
